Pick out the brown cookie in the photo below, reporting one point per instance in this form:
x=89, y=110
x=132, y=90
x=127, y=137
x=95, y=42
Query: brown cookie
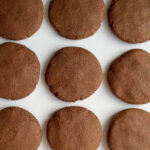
x=19, y=71
x=20, y=19
x=73, y=74
x=129, y=77
x=130, y=130
x=130, y=20
x=76, y=19
x=74, y=128
x=19, y=130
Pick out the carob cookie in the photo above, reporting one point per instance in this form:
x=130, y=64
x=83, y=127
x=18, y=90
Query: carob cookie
x=130, y=20
x=19, y=71
x=129, y=77
x=130, y=130
x=76, y=19
x=20, y=19
x=19, y=130
x=73, y=74
x=74, y=128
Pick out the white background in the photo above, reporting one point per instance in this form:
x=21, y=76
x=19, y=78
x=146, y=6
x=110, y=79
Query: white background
x=104, y=45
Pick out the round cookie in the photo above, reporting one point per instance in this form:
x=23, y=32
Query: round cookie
x=20, y=19
x=19, y=130
x=74, y=128
x=130, y=20
x=130, y=130
x=73, y=74
x=76, y=19
x=19, y=71
x=129, y=77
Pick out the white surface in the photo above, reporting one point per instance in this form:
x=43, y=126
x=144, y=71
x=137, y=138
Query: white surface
x=104, y=45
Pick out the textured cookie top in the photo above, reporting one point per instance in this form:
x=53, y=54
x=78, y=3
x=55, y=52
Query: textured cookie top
x=74, y=128
x=73, y=74
x=19, y=130
x=130, y=20
x=19, y=71
x=129, y=77
x=20, y=19
x=76, y=19
x=130, y=130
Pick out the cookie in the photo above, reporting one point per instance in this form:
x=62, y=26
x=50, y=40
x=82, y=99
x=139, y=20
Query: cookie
x=19, y=130
x=20, y=19
x=74, y=128
x=129, y=77
x=130, y=130
x=76, y=19
x=19, y=71
x=130, y=20
x=73, y=74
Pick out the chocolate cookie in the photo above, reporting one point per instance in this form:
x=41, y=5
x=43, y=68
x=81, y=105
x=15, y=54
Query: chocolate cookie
x=129, y=77
x=74, y=128
x=73, y=74
x=20, y=19
x=76, y=19
x=130, y=130
x=19, y=130
x=19, y=71
x=130, y=20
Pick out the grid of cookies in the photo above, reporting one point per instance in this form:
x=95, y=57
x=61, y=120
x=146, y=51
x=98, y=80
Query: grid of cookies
x=73, y=74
